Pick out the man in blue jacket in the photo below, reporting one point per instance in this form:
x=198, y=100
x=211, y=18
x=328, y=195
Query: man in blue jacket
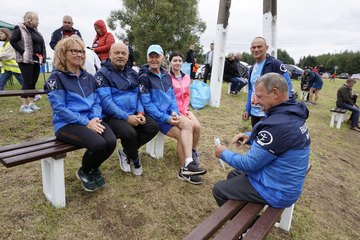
x=66, y=30
x=273, y=170
x=264, y=64
x=118, y=88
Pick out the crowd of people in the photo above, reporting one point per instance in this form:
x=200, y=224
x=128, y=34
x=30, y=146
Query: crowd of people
x=93, y=107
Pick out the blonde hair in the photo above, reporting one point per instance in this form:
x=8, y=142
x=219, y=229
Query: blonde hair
x=62, y=47
x=29, y=16
x=230, y=56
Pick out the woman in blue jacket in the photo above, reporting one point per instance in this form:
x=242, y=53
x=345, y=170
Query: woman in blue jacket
x=77, y=111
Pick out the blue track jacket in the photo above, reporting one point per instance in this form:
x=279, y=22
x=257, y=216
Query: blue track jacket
x=157, y=94
x=271, y=65
x=277, y=161
x=118, y=91
x=73, y=99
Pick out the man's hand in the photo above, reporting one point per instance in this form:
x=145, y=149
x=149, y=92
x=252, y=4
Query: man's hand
x=133, y=120
x=239, y=139
x=174, y=119
x=245, y=116
x=219, y=149
x=141, y=118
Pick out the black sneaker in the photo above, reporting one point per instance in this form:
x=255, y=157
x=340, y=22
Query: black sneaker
x=99, y=179
x=355, y=128
x=192, y=169
x=87, y=180
x=193, y=179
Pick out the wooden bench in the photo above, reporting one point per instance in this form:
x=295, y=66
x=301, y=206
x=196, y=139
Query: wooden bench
x=52, y=153
x=233, y=219
x=10, y=93
x=337, y=114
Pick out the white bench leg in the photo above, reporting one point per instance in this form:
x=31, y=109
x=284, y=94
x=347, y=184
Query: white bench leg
x=286, y=217
x=332, y=121
x=340, y=119
x=304, y=95
x=229, y=88
x=53, y=181
x=155, y=148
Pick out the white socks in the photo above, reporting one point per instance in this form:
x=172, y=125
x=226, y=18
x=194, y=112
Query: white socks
x=188, y=160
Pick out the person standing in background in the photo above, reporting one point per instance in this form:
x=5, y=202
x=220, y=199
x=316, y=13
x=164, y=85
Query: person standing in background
x=103, y=40
x=8, y=61
x=130, y=62
x=209, y=57
x=30, y=51
x=190, y=58
x=66, y=30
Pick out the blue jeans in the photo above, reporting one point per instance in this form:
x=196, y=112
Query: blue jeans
x=237, y=84
x=354, y=115
x=4, y=77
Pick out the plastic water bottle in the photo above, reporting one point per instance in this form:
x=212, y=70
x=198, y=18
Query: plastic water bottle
x=218, y=143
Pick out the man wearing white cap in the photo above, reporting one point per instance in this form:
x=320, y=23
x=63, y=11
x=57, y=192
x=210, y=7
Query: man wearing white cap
x=158, y=98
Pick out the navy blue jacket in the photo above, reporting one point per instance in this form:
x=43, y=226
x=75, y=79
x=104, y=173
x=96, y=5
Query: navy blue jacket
x=73, y=99
x=271, y=65
x=157, y=94
x=118, y=91
x=58, y=34
x=277, y=160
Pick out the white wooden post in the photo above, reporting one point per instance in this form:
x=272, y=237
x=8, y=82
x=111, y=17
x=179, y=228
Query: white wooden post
x=53, y=179
x=219, y=53
x=269, y=25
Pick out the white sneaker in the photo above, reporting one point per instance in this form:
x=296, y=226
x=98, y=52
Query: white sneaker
x=124, y=165
x=33, y=107
x=37, y=97
x=25, y=109
x=136, y=167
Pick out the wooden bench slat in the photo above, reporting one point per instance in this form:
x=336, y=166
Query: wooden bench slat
x=240, y=222
x=26, y=144
x=211, y=224
x=11, y=93
x=264, y=224
x=29, y=157
x=29, y=149
x=338, y=110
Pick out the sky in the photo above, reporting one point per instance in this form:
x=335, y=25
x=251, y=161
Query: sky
x=304, y=27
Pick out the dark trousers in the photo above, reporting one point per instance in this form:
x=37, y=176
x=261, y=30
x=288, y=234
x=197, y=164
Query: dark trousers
x=30, y=74
x=132, y=138
x=99, y=146
x=237, y=84
x=207, y=72
x=236, y=187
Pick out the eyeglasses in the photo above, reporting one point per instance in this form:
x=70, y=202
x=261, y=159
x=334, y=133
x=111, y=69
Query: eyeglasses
x=67, y=22
x=76, y=51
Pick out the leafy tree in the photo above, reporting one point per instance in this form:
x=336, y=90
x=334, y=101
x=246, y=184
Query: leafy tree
x=246, y=57
x=173, y=24
x=284, y=56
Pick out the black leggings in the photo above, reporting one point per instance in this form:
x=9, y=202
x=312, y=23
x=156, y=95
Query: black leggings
x=99, y=146
x=30, y=74
x=132, y=138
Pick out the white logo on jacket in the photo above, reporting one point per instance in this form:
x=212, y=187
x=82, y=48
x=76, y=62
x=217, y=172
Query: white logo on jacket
x=264, y=138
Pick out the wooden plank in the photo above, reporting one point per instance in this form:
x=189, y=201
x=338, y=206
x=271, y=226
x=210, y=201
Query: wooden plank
x=10, y=93
x=215, y=221
x=26, y=144
x=30, y=149
x=240, y=222
x=33, y=156
x=264, y=224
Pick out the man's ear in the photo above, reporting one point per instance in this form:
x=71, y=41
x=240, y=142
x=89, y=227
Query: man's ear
x=276, y=92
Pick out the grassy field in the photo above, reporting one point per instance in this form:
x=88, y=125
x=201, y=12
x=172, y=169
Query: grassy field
x=159, y=206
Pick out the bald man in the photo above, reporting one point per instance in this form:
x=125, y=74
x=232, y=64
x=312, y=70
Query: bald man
x=264, y=64
x=118, y=88
x=273, y=170
x=66, y=30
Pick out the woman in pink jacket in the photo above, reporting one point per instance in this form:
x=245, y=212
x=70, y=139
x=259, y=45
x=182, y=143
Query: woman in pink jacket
x=103, y=40
x=181, y=84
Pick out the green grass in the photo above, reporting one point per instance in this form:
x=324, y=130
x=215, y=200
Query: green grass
x=159, y=206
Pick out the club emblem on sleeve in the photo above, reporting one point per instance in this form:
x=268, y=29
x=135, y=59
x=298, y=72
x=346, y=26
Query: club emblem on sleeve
x=51, y=84
x=283, y=68
x=264, y=138
x=99, y=81
x=141, y=88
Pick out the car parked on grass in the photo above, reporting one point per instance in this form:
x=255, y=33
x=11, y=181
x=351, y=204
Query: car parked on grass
x=356, y=76
x=294, y=71
x=200, y=72
x=343, y=76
